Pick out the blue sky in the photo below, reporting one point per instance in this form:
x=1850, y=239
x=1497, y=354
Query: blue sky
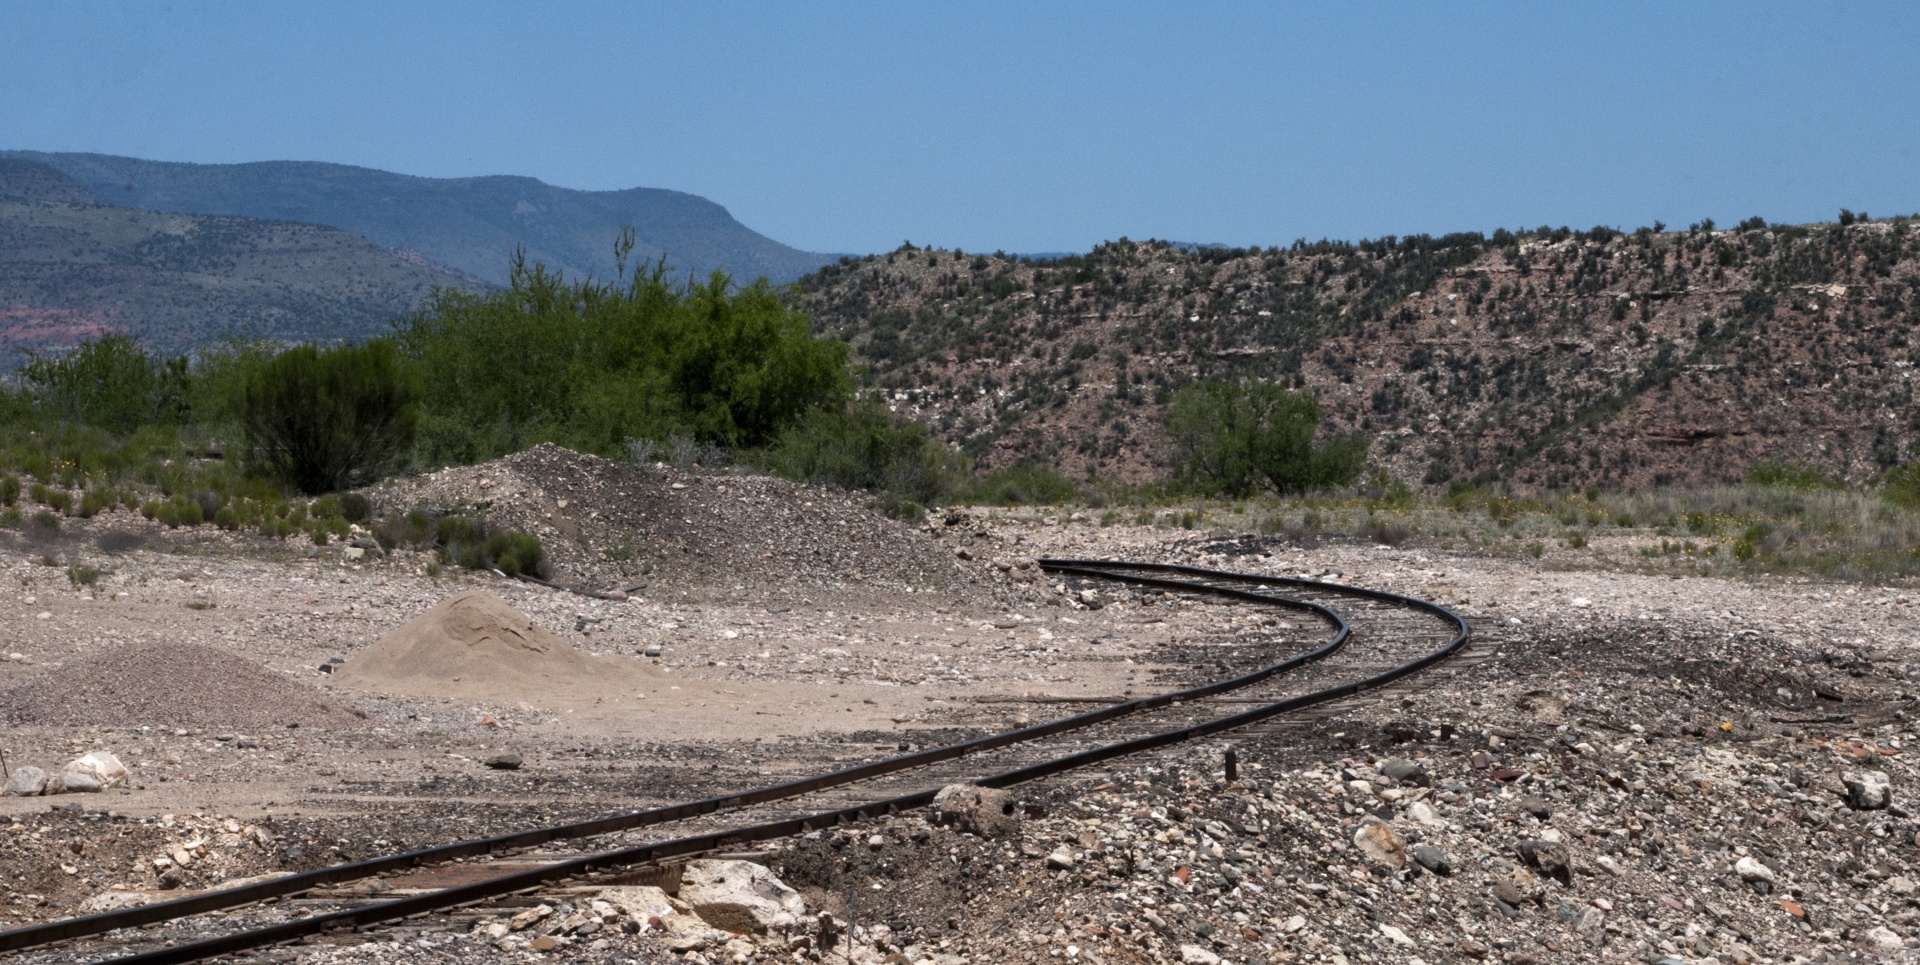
x=1025, y=127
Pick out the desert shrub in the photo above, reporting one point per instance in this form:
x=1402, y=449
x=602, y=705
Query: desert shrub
x=321, y=419
x=59, y=500
x=1230, y=439
x=454, y=530
x=863, y=447
x=1388, y=533
x=590, y=364
x=1027, y=484
x=95, y=501
x=9, y=490
x=226, y=518
x=109, y=383
x=81, y=576
x=356, y=507
x=1785, y=475
x=515, y=553
x=1901, y=486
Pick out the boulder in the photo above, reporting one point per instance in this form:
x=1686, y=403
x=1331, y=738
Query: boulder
x=1550, y=858
x=740, y=896
x=75, y=782
x=1381, y=844
x=1867, y=790
x=985, y=811
x=103, y=768
x=1407, y=772
x=28, y=781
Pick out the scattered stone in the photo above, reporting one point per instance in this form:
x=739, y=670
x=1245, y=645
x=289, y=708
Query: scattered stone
x=75, y=782
x=1197, y=955
x=28, y=781
x=985, y=811
x=1867, y=790
x=1381, y=844
x=101, y=769
x=740, y=896
x=503, y=762
x=1882, y=938
x=1751, y=870
x=1433, y=859
x=1407, y=772
x=1537, y=807
x=1061, y=859
x=1549, y=858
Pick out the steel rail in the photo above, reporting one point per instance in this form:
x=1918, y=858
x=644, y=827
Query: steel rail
x=70, y=928
x=642, y=854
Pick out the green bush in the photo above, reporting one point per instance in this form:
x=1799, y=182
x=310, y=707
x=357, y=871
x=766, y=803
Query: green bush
x=321, y=419
x=1229, y=439
x=1027, y=484
x=590, y=365
x=109, y=383
x=93, y=501
x=356, y=507
x=1784, y=475
x=863, y=447
x=9, y=490
x=515, y=553
x=81, y=576
x=1901, y=487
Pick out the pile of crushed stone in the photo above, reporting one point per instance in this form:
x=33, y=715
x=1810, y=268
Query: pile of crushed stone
x=612, y=525
x=473, y=644
x=169, y=685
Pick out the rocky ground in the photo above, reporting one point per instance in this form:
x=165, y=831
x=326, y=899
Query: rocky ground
x=1641, y=769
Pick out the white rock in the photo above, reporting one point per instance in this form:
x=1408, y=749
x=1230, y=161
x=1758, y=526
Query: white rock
x=1419, y=813
x=1883, y=938
x=1750, y=870
x=1195, y=955
x=1294, y=924
x=740, y=896
x=102, y=767
x=1395, y=935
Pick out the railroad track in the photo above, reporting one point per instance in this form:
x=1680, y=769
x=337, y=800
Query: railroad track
x=1372, y=639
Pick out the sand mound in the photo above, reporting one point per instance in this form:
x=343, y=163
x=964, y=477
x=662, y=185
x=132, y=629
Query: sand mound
x=172, y=685
x=475, y=644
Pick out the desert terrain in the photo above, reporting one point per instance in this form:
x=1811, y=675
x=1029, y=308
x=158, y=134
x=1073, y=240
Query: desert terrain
x=1632, y=767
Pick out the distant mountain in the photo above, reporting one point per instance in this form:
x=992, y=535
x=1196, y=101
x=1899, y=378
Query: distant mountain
x=72, y=267
x=470, y=224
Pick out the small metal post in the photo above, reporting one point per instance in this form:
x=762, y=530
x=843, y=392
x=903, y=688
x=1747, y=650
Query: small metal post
x=1233, y=766
x=4, y=774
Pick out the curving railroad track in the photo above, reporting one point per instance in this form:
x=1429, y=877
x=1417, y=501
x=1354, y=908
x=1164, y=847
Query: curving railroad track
x=1372, y=639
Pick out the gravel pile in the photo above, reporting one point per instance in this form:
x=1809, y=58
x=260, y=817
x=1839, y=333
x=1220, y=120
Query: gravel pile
x=616, y=525
x=169, y=685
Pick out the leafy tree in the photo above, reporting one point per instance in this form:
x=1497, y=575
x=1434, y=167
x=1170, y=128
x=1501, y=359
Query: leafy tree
x=1231, y=438
x=591, y=365
x=323, y=419
x=109, y=383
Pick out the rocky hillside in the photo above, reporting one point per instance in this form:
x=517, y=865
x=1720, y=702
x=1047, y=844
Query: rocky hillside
x=471, y=224
x=72, y=267
x=1548, y=358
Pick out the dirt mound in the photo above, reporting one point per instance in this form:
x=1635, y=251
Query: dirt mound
x=168, y=684
x=613, y=524
x=475, y=644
